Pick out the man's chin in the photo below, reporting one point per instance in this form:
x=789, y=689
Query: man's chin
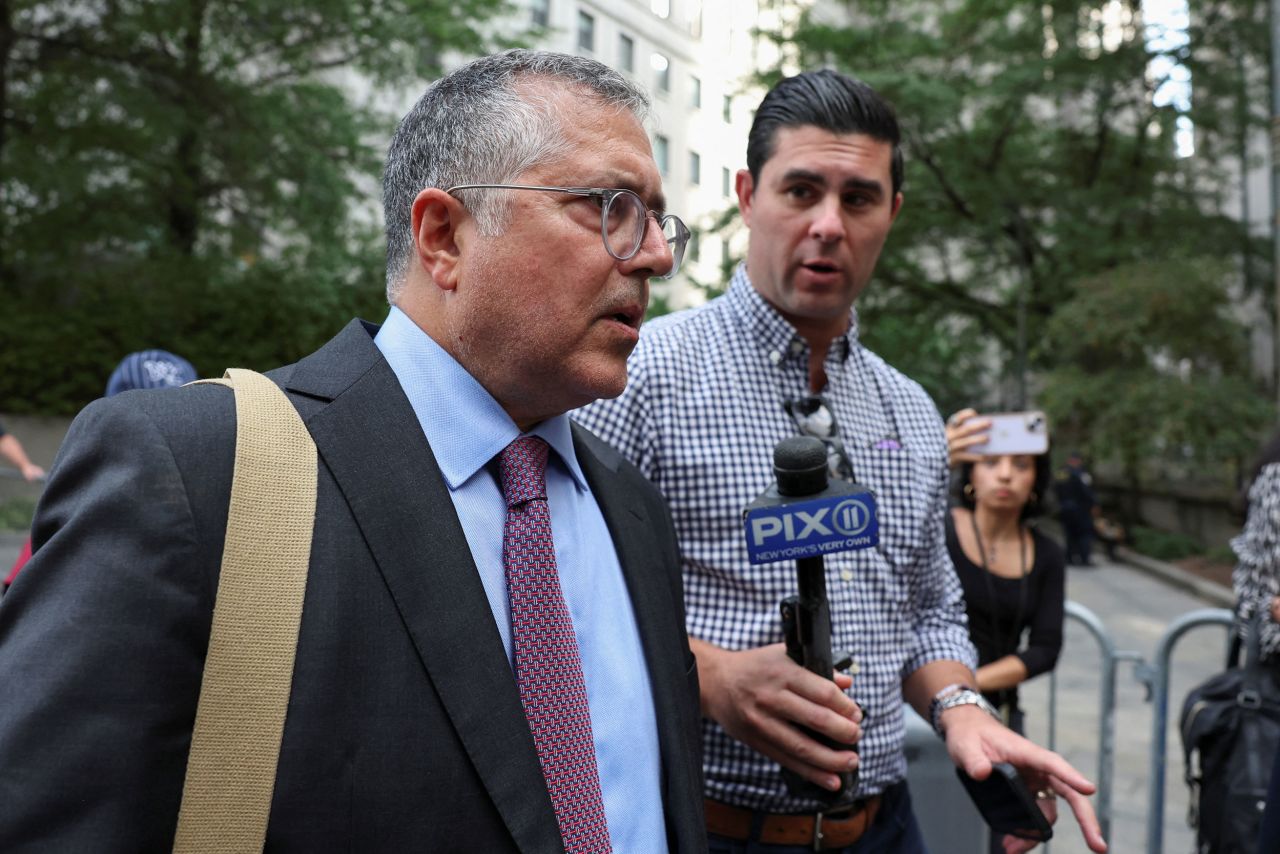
x=603, y=384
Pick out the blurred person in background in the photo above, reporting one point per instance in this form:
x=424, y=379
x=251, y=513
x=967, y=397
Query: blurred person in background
x=143, y=369
x=11, y=449
x=1256, y=580
x=1073, y=488
x=1013, y=576
x=149, y=369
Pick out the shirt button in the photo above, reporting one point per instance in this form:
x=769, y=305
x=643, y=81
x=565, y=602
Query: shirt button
x=846, y=574
x=775, y=357
x=796, y=347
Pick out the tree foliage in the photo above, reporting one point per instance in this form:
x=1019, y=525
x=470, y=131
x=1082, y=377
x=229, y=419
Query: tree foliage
x=196, y=175
x=1037, y=157
x=1150, y=371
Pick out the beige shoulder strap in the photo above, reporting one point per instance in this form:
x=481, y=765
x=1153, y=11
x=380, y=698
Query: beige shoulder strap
x=235, y=745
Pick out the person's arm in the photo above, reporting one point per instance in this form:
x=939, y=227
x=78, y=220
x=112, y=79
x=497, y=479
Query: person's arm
x=11, y=449
x=1007, y=672
x=106, y=635
x=1044, y=641
x=760, y=695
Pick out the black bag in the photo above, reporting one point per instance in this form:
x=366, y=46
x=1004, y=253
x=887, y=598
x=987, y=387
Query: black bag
x=1230, y=728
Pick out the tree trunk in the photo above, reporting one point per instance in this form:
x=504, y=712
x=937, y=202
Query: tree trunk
x=7, y=40
x=187, y=176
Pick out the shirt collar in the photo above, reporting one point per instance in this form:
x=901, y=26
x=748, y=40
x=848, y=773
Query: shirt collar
x=464, y=425
x=775, y=336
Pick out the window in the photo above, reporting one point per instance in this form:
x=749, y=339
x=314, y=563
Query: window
x=695, y=93
x=693, y=9
x=662, y=154
x=726, y=182
x=661, y=72
x=695, y=245
x=541, y=12
x=586, y=32
x=626, y=52
x=695, y=168
x=726, y=108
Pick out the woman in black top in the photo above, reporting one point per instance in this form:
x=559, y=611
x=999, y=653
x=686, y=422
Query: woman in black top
x=1012, y=575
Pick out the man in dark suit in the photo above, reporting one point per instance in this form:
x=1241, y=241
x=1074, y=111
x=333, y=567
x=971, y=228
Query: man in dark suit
x=413, y=724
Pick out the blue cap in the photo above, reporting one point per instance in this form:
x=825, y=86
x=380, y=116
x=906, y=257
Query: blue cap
x=150, y=369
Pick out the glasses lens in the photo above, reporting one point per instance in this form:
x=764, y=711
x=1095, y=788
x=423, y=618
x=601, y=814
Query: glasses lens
x=676, y=233
x=623, y=226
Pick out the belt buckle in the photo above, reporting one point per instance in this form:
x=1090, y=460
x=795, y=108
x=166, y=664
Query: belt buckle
x=842, y=813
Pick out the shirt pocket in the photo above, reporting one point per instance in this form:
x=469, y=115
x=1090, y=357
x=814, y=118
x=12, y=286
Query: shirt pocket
x=902, y=501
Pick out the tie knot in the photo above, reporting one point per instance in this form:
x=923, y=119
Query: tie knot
x=522, y=467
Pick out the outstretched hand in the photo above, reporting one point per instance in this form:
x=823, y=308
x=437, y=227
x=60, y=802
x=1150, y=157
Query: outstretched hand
x=975, y=741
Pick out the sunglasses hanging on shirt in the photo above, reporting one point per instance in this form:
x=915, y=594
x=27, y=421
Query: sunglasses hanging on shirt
x=814, y=417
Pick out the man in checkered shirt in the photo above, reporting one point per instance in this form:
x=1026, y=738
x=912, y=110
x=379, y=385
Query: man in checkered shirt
x=710, y=392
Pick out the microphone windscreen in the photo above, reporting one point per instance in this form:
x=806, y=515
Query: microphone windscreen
x=800, y=465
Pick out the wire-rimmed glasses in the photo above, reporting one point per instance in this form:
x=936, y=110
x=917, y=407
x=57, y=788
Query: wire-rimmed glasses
x=813, y=416
x=624, y=220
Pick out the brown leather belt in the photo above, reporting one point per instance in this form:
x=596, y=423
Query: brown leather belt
x=821, y=830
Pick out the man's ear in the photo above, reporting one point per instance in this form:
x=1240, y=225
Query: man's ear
x=436, y=219
x=745, y=187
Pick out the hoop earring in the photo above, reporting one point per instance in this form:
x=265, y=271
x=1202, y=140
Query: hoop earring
x=968, y=491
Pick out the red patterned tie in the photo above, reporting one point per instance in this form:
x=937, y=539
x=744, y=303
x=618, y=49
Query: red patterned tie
x=548, y=670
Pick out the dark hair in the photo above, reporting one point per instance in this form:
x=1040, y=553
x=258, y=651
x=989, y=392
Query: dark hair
x=829, y=100
x=1039, y=490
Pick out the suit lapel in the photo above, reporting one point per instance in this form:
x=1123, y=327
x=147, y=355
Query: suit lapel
x=370, y=439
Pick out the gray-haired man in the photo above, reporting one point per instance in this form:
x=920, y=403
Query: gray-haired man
x=432, y=708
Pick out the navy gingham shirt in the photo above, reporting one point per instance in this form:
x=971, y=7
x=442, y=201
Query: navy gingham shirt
x=700, y=416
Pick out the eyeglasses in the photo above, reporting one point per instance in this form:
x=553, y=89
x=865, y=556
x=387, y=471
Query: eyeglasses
x=624, y=220
x=814, y=418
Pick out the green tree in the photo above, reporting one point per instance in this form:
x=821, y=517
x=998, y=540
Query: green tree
x=1150, y=372
x=195, y=174
x=1036, y=154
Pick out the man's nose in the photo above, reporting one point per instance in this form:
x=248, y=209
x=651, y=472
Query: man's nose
x=654, y=254
x=827, y=225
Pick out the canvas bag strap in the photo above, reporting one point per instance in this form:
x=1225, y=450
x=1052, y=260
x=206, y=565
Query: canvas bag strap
x=235, y=744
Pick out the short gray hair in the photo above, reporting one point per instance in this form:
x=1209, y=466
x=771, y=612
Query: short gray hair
x=474, y=127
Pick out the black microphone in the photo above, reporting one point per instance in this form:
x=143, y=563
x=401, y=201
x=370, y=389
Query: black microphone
x=802, y=516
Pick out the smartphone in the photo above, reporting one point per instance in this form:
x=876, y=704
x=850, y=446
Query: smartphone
x=1015, y=433
x=1006, y=804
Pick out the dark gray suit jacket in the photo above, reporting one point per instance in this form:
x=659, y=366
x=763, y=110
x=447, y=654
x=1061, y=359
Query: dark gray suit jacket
x=405, y=730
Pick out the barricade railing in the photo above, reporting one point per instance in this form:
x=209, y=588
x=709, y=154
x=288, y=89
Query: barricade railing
x=1111, y=657
x=1156, y=679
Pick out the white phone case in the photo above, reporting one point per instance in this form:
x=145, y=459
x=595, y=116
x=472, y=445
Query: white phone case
x=1015, y=433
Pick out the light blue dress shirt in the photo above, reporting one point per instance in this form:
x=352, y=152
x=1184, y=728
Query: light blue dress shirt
x=467, y=429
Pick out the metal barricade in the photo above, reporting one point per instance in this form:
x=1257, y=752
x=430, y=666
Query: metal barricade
x=1156, y=678
x=1106, y=707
